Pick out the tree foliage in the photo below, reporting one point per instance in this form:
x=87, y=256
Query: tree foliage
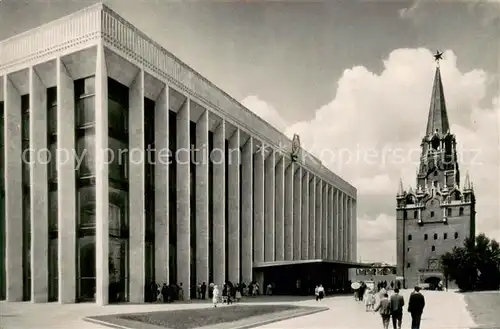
x=475, y=265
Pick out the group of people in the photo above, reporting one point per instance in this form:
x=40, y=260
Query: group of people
x=164, y=293
x=393, y=308
x=319, y=292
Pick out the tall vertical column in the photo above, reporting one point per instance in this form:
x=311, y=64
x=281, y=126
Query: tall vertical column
x=39, y=191
x=324, y=221
x=312, y=217
x=219, y=204
x=304, y=227
x=233, y=222
x=331, y=237
x=202, y=229
x=66, y=187
x=288, y=204
x=102, y=186
x=319, y=218
x=183, y=182
x=258, y=205
x=297, y=212
x=13, y=193
x=280, y=210
x=344, y=227
x=162, y=242
x=247, y=201
x=137, y=186
x=348, y=231
x=338, y=225
x=269, y=204
x=354, y=231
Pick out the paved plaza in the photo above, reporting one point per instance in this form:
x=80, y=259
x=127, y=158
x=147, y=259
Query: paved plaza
x=443, y=310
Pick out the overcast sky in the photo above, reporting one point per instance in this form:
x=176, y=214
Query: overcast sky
x=352, y=78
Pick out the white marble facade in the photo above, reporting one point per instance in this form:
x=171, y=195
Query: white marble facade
x=285, y=211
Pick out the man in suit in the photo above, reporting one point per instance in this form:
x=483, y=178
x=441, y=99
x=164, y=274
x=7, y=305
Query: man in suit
x=416, y=305
x=397, y=303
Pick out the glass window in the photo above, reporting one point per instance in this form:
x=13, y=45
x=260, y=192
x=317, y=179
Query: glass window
x=86, y=268
x=53, y=211
x=409, y=237
x=435, y=236
x=117, y=117
x=53, y=270
x=53, y=162
x=456, y=235
x=425, y=236
x=25, y=126
x=448, y=212
x=461, y=211
x=432, y=213
x=85, y=112
x=408, y=265
x=52, y=120
x=86, y=199
x=415, y=214
x=85, y=87
x=86, y=155
x=118, y=159
x=445, y=236
x=433, y=248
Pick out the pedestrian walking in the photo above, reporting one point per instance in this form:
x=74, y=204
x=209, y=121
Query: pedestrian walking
x=216, y=295
x=416, y=304
x=397, y=303
x=321, y=292
x=384, y=309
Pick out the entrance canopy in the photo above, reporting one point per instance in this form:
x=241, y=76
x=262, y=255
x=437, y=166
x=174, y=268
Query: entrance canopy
x=311, y=261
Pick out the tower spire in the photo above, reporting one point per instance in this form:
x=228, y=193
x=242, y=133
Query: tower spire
x=467, y=184
x=400, y=190
x=438, y=117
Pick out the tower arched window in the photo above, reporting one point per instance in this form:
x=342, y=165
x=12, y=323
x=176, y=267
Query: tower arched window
x=448, y=212
x=435, y=143
x=432, y=213
x=461, y=211
x=435, y=236
x=433, y=248
x=445, y=236
x=409, y=237
x=425, y=236
x=456, y=235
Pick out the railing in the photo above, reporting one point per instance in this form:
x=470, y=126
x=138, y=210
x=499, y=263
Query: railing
x=56, y=34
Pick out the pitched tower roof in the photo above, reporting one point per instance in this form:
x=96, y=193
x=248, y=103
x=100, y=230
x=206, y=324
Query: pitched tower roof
x=438, y=118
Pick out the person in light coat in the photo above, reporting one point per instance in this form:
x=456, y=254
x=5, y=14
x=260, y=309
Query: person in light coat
x=216, y=295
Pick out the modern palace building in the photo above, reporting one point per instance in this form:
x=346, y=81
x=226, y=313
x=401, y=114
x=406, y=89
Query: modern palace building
x=122, y=166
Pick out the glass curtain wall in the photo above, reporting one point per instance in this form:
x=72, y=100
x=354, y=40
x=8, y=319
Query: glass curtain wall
x=150, y=156
x=172, y=172
x=118, y=108
x=25, y=134
x=52, y=194
x=85, y=183
x=2, y=208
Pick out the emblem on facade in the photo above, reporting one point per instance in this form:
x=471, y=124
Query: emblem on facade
x=295, y=148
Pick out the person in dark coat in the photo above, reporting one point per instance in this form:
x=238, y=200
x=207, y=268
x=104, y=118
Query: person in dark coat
x=203, y=290
x=397, y=303
x=416, y=305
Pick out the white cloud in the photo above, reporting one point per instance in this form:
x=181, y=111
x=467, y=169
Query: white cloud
x=370, y=134
x=265, y=111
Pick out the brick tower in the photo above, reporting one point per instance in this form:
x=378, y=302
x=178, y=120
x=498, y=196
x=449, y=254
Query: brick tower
x=437, y=214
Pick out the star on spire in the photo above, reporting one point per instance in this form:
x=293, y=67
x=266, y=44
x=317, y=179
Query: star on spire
x=438, y=56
